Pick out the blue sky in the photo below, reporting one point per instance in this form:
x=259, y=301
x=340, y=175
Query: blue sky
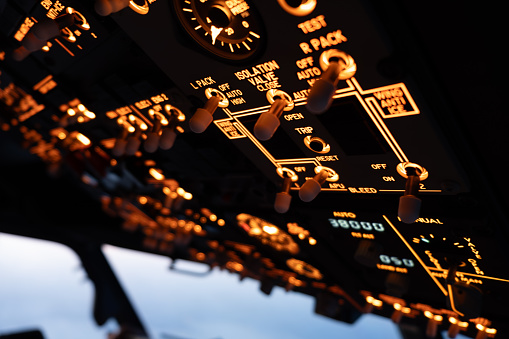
x=43, y=286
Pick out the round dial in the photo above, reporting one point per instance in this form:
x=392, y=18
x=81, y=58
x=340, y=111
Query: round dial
x=229, y=29
x=267, y=233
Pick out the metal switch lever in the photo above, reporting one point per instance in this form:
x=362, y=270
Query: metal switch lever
x=203, y=116
x=268, y=122
x=409, y=204
x=337, y=65
x=313, y=186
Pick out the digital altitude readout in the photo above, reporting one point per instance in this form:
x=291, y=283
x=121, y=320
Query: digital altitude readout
x=357, y=225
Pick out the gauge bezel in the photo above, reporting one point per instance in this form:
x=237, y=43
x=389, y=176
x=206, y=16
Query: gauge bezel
x=201, y=36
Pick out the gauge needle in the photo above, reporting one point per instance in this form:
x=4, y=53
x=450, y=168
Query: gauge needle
x=214, y=33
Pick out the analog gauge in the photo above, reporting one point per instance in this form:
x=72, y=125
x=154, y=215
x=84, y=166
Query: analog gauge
x=447, y=250
x=304, y=269
x=267, y=233
x=228, y=29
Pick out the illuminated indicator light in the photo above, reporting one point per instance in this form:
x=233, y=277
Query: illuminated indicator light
x=71, y=112
x=200, y=256
x=45, y=48
x=312, y=241
x=374, y=302
x=213, y=217
x=255, y=231
x=156, y=174
x=143, y=126
x=113, y=162
x=425, y=240
x=197, y=27
x=62, y=135
x=221, y=222
x=197, y=228
x=480, y=327
x=81, y=119
x=270, y=230
x=89, y=114
x=131, y=129
x=181, y=191
x=302, y=236
x=296, y=282
x=491, y=331
x=132, y=118
x=203, y=220
x=188, y=196
x=432, y=236
x=83, y=139
x=142, y=200
x=180, y=129
x=151, y=112
x=187, y=10
x=166, y=190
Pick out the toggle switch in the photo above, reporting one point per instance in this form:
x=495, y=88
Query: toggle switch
x=203, y=116
x=268, y=122
x=433, y=321
x=120, y=145
x=485, y=332
x=169, y=134
x=337, y=65
x=456, y=327
x=48, y=28
x=163, y=132
x=133, y=142
x=409, y=204
x=32, y=43
x=153, y=137
x=399, y=312
x=283, y=198
x=107, y=7
x=313, y=186
x=40, y=33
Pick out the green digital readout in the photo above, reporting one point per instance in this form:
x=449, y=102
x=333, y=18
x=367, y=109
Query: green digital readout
x=357, y=225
